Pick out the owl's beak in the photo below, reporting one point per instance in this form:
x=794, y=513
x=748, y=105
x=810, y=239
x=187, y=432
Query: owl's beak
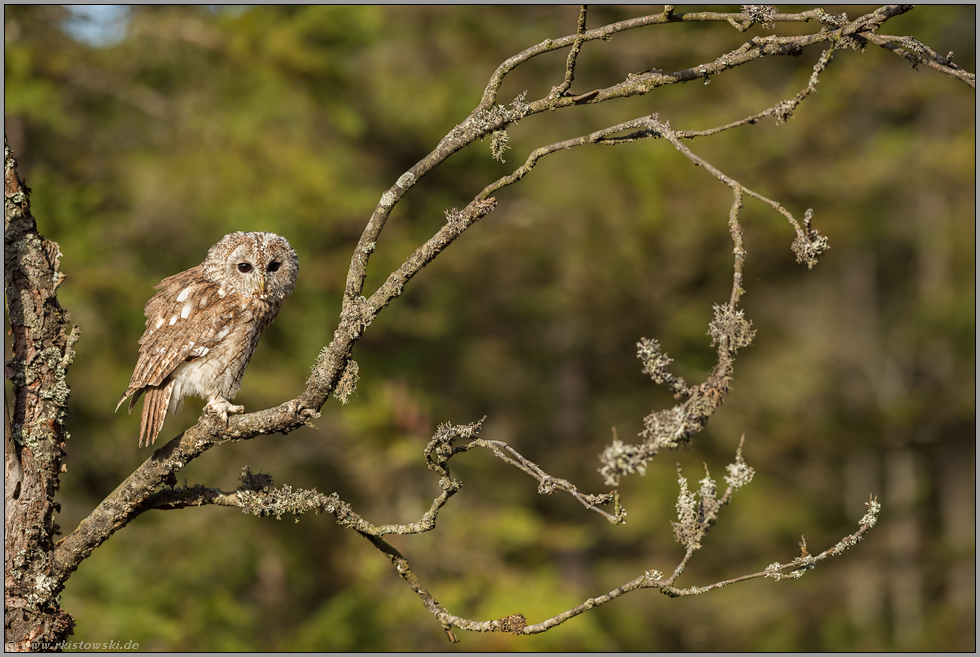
x=261, y=285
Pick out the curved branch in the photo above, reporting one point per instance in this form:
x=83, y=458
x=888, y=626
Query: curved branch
x=489, y=117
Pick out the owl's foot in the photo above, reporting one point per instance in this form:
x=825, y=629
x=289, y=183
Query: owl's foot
x=222, y=407
x=299, y=411
x=296, y=407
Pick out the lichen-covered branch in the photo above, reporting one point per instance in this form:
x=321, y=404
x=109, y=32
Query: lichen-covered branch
x=781, y=111
x=809, y=244
x=668, y=429
x=548, y=484
x=258, y=496
x=736, y=231
x=777, y=571
x=697, y=512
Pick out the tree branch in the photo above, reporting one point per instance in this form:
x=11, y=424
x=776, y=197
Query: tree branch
x=919, y=53
x=730, y=331
x=696, y=513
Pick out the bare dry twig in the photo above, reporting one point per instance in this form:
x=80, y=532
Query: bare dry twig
x=560, y=90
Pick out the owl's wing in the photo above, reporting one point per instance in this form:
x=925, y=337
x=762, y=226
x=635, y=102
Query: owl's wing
x=186, y=319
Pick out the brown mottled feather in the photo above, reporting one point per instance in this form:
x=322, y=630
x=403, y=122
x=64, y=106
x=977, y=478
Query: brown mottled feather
x=181, y=338
x=155, y=405
x=162, y=351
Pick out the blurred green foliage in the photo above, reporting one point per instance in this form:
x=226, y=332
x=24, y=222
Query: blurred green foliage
x=143, y=151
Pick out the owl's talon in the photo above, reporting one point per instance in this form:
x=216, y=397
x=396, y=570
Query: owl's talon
x=222, y=407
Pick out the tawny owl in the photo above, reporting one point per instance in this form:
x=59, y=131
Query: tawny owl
x=204, y=323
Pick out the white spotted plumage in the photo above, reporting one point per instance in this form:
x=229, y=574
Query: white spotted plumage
x=204, y=324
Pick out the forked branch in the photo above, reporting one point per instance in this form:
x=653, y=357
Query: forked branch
x=697, y=512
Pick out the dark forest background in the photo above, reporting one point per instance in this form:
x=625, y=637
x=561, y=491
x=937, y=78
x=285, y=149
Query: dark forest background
x=145, y=141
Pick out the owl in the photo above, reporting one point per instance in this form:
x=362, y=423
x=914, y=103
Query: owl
x=204, y=324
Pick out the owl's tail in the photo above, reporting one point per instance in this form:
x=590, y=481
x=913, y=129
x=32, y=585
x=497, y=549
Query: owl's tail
x=155, y=405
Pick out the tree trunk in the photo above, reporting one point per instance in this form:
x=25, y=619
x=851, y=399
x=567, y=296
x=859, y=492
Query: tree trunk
x=34, y=429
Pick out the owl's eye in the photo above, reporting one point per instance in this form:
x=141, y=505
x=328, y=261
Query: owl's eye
x=244, y=267
x=274, y=266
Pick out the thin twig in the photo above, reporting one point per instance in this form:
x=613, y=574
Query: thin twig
x=797, y=567
x=668, y=134
x=908, y=47
x=781, y=111
x=560, y=90
x=739, y=250
x=549, y=484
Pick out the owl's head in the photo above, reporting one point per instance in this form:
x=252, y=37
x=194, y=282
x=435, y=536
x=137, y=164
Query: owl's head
x=256, y=265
